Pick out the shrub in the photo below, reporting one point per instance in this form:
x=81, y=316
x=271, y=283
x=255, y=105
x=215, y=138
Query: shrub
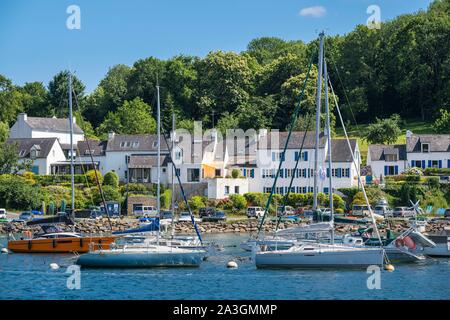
x=111, y=179
x=110, y=193
x=90, y=175
x=17, y=193
x=237, y=202
x=166, y=199
x=196, y=202
x=235, y=173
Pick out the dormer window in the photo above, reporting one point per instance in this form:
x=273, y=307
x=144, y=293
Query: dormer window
x=22, y=153
x=425, y=147
x=34, y=154
x=390, y=157
x=135, y=144
x=155, y=144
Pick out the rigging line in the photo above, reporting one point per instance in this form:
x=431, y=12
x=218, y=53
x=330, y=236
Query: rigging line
x=95, y=170
x=344, y=90
x=285, y=197
x=355, y=164
x=293, y=119
x=181, y=186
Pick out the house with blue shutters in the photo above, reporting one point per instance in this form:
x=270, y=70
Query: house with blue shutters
x=420, y=150
x=269, y=153
x=428, y=150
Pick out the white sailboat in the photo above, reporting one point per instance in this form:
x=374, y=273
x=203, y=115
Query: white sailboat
x=306, y=254
x=150, y=252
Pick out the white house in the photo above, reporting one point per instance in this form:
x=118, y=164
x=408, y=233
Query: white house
x=36, y=127
x=386, y=160
x=421, y=150
x=270, y=151
x=41, y=151
x=428, y=150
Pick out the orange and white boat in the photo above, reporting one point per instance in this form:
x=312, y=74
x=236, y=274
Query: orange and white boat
x=59, y=242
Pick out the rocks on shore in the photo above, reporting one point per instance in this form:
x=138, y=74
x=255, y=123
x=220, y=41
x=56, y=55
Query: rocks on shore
x=101, y=226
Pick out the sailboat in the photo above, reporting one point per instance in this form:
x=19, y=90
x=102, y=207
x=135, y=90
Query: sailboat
x=148, y=253
x=306, y=254
x=52, y=239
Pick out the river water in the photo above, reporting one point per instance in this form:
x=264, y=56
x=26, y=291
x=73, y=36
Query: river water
x=28, y=276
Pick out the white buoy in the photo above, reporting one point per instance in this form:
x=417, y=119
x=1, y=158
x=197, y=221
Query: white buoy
x=4, y=250
x=232, y=264
x=389, y=267
x=54, y=266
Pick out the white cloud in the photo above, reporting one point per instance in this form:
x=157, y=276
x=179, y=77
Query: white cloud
x=315, y=12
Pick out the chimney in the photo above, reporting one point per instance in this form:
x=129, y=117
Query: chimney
x=111, y=135
x=408, y=133
x=22, y=117
x=262, y=133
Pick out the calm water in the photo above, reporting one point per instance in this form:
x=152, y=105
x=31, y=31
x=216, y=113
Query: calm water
x=25, y=276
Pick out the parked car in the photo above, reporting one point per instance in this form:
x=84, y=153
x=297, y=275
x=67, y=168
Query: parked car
x=359, y=210
x=24, y=217
x=186, y=216
x=255, y=212
x=2, y=213
x=288, y=211
x=402, y=212
x=206, y=212
x=166, y=215
x=146, y=211
x=447, y=213
x=217, y=216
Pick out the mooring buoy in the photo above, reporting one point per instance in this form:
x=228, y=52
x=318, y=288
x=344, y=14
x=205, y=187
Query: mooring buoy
x=54, y=266
x=389, y=267
x=4, y=250
x=232, y=264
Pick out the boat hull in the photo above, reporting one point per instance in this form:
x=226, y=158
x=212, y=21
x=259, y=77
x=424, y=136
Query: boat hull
x=328, y=259
x=60, y=245
x=121, y=259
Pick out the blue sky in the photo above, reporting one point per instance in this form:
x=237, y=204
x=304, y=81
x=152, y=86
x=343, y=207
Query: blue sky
x=35, y=43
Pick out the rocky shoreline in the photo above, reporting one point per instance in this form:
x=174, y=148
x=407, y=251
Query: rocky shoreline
x=101, y=226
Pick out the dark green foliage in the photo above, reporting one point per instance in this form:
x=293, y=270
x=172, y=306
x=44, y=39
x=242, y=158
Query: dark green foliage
x=111, y=179
x=17, y=193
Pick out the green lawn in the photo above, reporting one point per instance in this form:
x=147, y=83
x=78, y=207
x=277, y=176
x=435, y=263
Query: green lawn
x=356, y=131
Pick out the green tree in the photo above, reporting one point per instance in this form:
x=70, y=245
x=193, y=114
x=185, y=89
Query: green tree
x=36, y=99
x=442, y=123
x=133, y=117
x=11, y=101
x=17, y=193
x=58, y=90
x=383, y=130
x=9, y=159
x=4, y=132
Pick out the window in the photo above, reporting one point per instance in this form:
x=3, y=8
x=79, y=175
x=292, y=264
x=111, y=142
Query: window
x=127, y=159
x=277, y=156
x=236, y=189
x=177, y=171
x=418, y=163
x=34, y=154
x=218, y=172
x=193, y=175
x=390, y=170
x=178, y=154
x=22, y=153
x=155, y=144
x=227, y=189
x=267, y=189
x=425, y=147
x=434, y=163
x=390, y=157
x=135, y=144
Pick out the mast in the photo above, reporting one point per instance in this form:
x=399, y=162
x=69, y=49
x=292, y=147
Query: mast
x=158, y=175
x=318, y=109
x=72, y=181
x=330, y=165
x=173, y=172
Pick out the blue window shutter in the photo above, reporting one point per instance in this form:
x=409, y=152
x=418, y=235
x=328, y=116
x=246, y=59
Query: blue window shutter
x=429, y=164
x=385, y=170
x=423, y=164
x=296, y=156
x=306, y=155
x=440, y=163
x=252, y=173
x=396, y=169
x=448, y=163
x=339, y=172
x=328, y=172
x=412, y=163
x=282, y=156
x=281, y=173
